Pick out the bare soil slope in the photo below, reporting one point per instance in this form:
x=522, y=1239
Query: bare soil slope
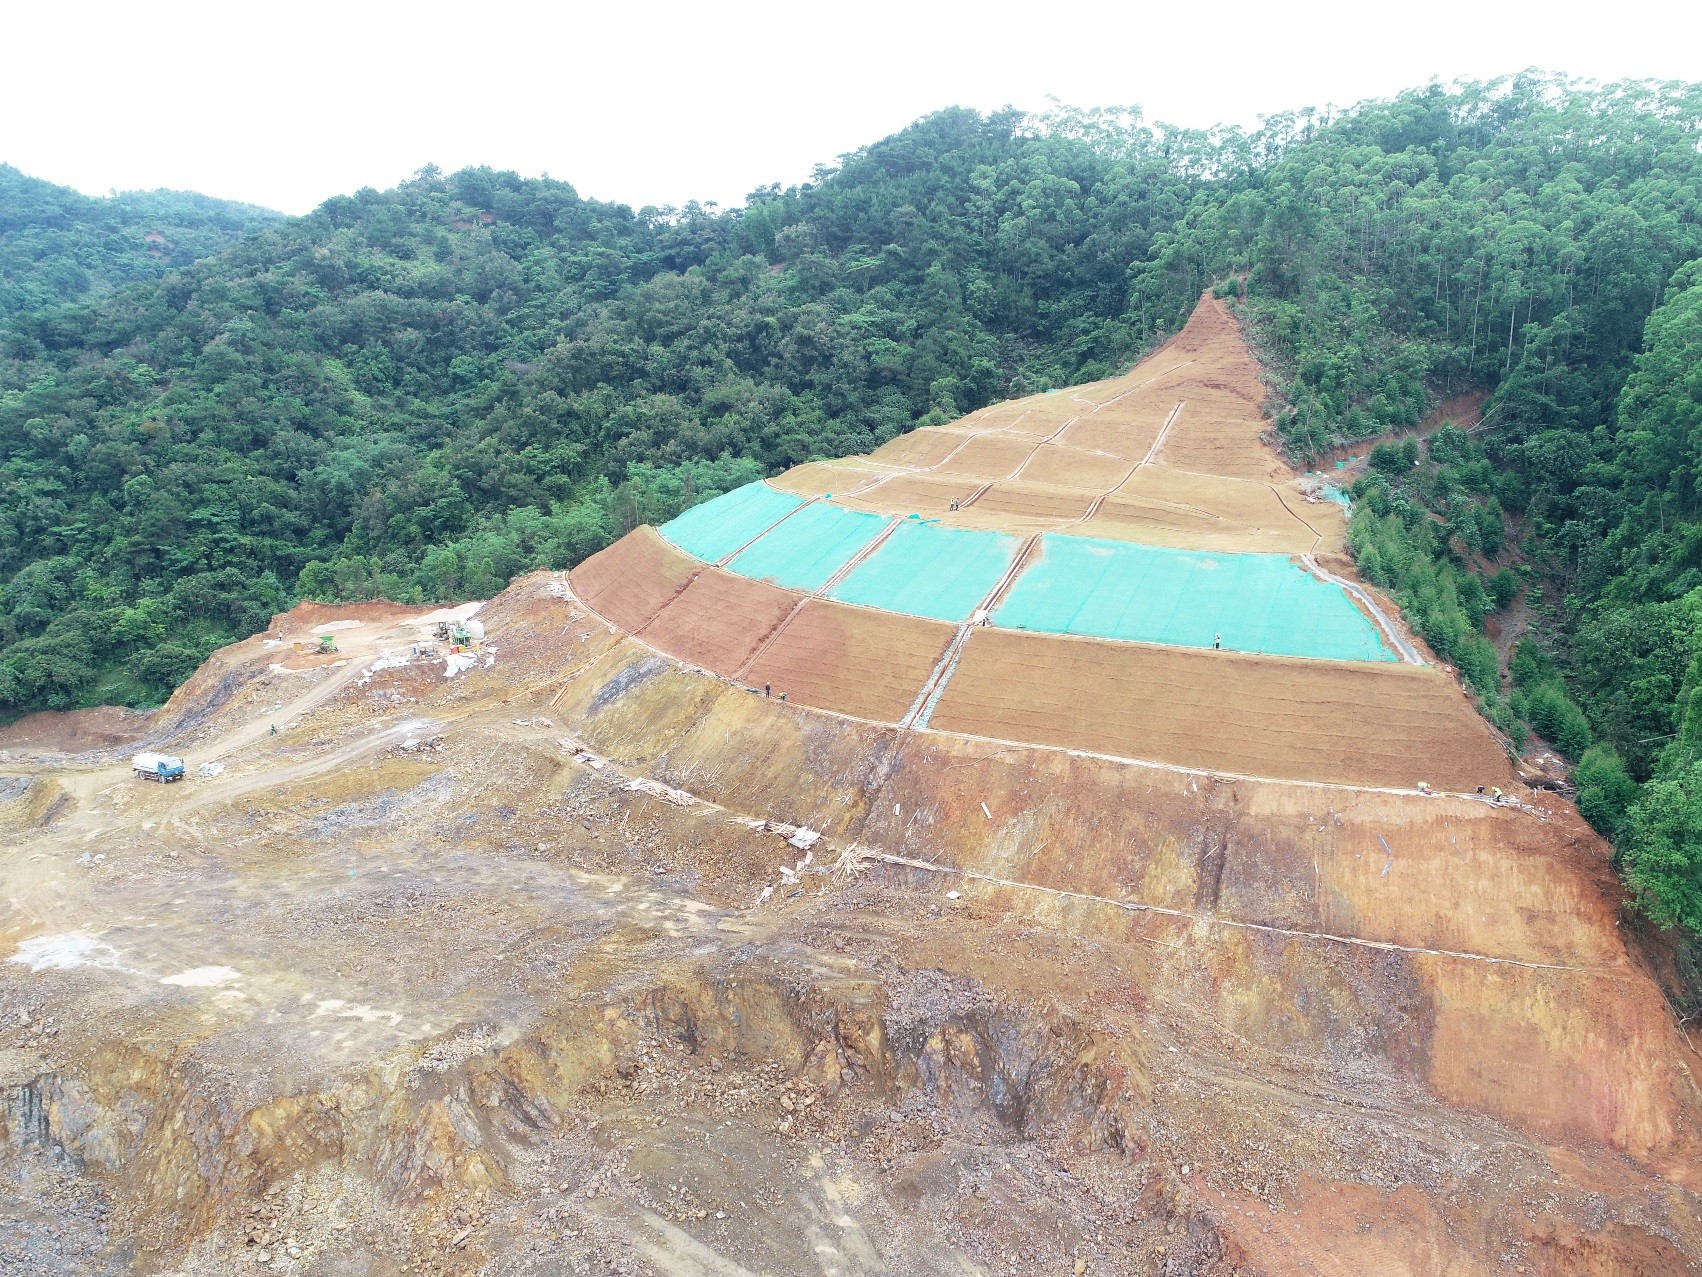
x=1222, y=711
x=516, y=972
x=1033, y=956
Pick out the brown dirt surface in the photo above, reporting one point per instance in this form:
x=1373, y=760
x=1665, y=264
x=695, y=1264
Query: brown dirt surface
x=1221, y=711
x=1220, y=427
x=514, y=971
x=922, y=447
x=989, y=456
x=75, y=731
x=632, y=580
x=1036, y=416
x=1126, y=434
x=1018, y=506
x=1215, y=434
x=580, y=959
x=1209, y=512
x=718, y=620
x=913, y=494
x=826, y=478
x=852, y=660
x=311, y=618
x=1065, y=467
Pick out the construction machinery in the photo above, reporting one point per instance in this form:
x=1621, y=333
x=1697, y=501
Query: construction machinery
x=459, y=635
x=161, y=767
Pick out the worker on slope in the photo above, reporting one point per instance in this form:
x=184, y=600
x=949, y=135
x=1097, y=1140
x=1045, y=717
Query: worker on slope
x=1217, y=642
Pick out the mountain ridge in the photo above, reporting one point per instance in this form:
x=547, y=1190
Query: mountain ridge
x=60, y=247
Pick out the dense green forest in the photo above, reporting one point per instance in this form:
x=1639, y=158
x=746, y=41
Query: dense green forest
x=421, y=392
x=58, y=246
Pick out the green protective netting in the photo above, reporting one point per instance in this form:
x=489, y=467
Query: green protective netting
x=1146, y=594
x=924, y=569
x=804, y=552
x=719, y=527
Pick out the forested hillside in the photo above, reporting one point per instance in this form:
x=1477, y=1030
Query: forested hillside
x=421, y=392
x=57, y=245
x=418, y=393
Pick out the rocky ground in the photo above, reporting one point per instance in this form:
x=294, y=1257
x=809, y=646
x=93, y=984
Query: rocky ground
x=481, y=973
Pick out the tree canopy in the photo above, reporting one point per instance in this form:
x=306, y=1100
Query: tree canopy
x=57, y=245
x=418, y=393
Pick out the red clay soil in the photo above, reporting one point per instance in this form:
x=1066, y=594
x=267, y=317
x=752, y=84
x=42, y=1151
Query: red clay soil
x=1353, y=723
x=632, y=580
x=77, y=730
x=718, y=620
x=852, y=660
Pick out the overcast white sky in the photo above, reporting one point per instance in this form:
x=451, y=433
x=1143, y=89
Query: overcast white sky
x=287, y=104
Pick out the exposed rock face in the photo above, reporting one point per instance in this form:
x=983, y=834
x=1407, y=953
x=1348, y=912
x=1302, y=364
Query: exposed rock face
x=490, y=991
x=530, y=966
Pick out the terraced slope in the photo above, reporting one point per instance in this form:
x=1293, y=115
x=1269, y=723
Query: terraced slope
x=1145, y=510
x=987, y=950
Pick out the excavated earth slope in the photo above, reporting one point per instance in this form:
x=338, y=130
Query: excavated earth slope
x=984, y=951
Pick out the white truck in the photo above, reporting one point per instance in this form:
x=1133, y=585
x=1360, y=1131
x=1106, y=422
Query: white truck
x=161, y=767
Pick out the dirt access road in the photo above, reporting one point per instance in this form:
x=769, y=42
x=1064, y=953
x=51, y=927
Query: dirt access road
x=581, y=958
x=494, y=974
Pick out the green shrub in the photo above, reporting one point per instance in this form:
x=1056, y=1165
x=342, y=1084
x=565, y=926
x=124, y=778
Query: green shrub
x=1504, y=587
x=1660, y=853
x=1390, y=459
x=1605, y=789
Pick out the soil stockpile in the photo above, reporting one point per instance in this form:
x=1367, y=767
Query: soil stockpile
x=1349, y=723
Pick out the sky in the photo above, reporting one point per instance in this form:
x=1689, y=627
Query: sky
x=664, y=102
